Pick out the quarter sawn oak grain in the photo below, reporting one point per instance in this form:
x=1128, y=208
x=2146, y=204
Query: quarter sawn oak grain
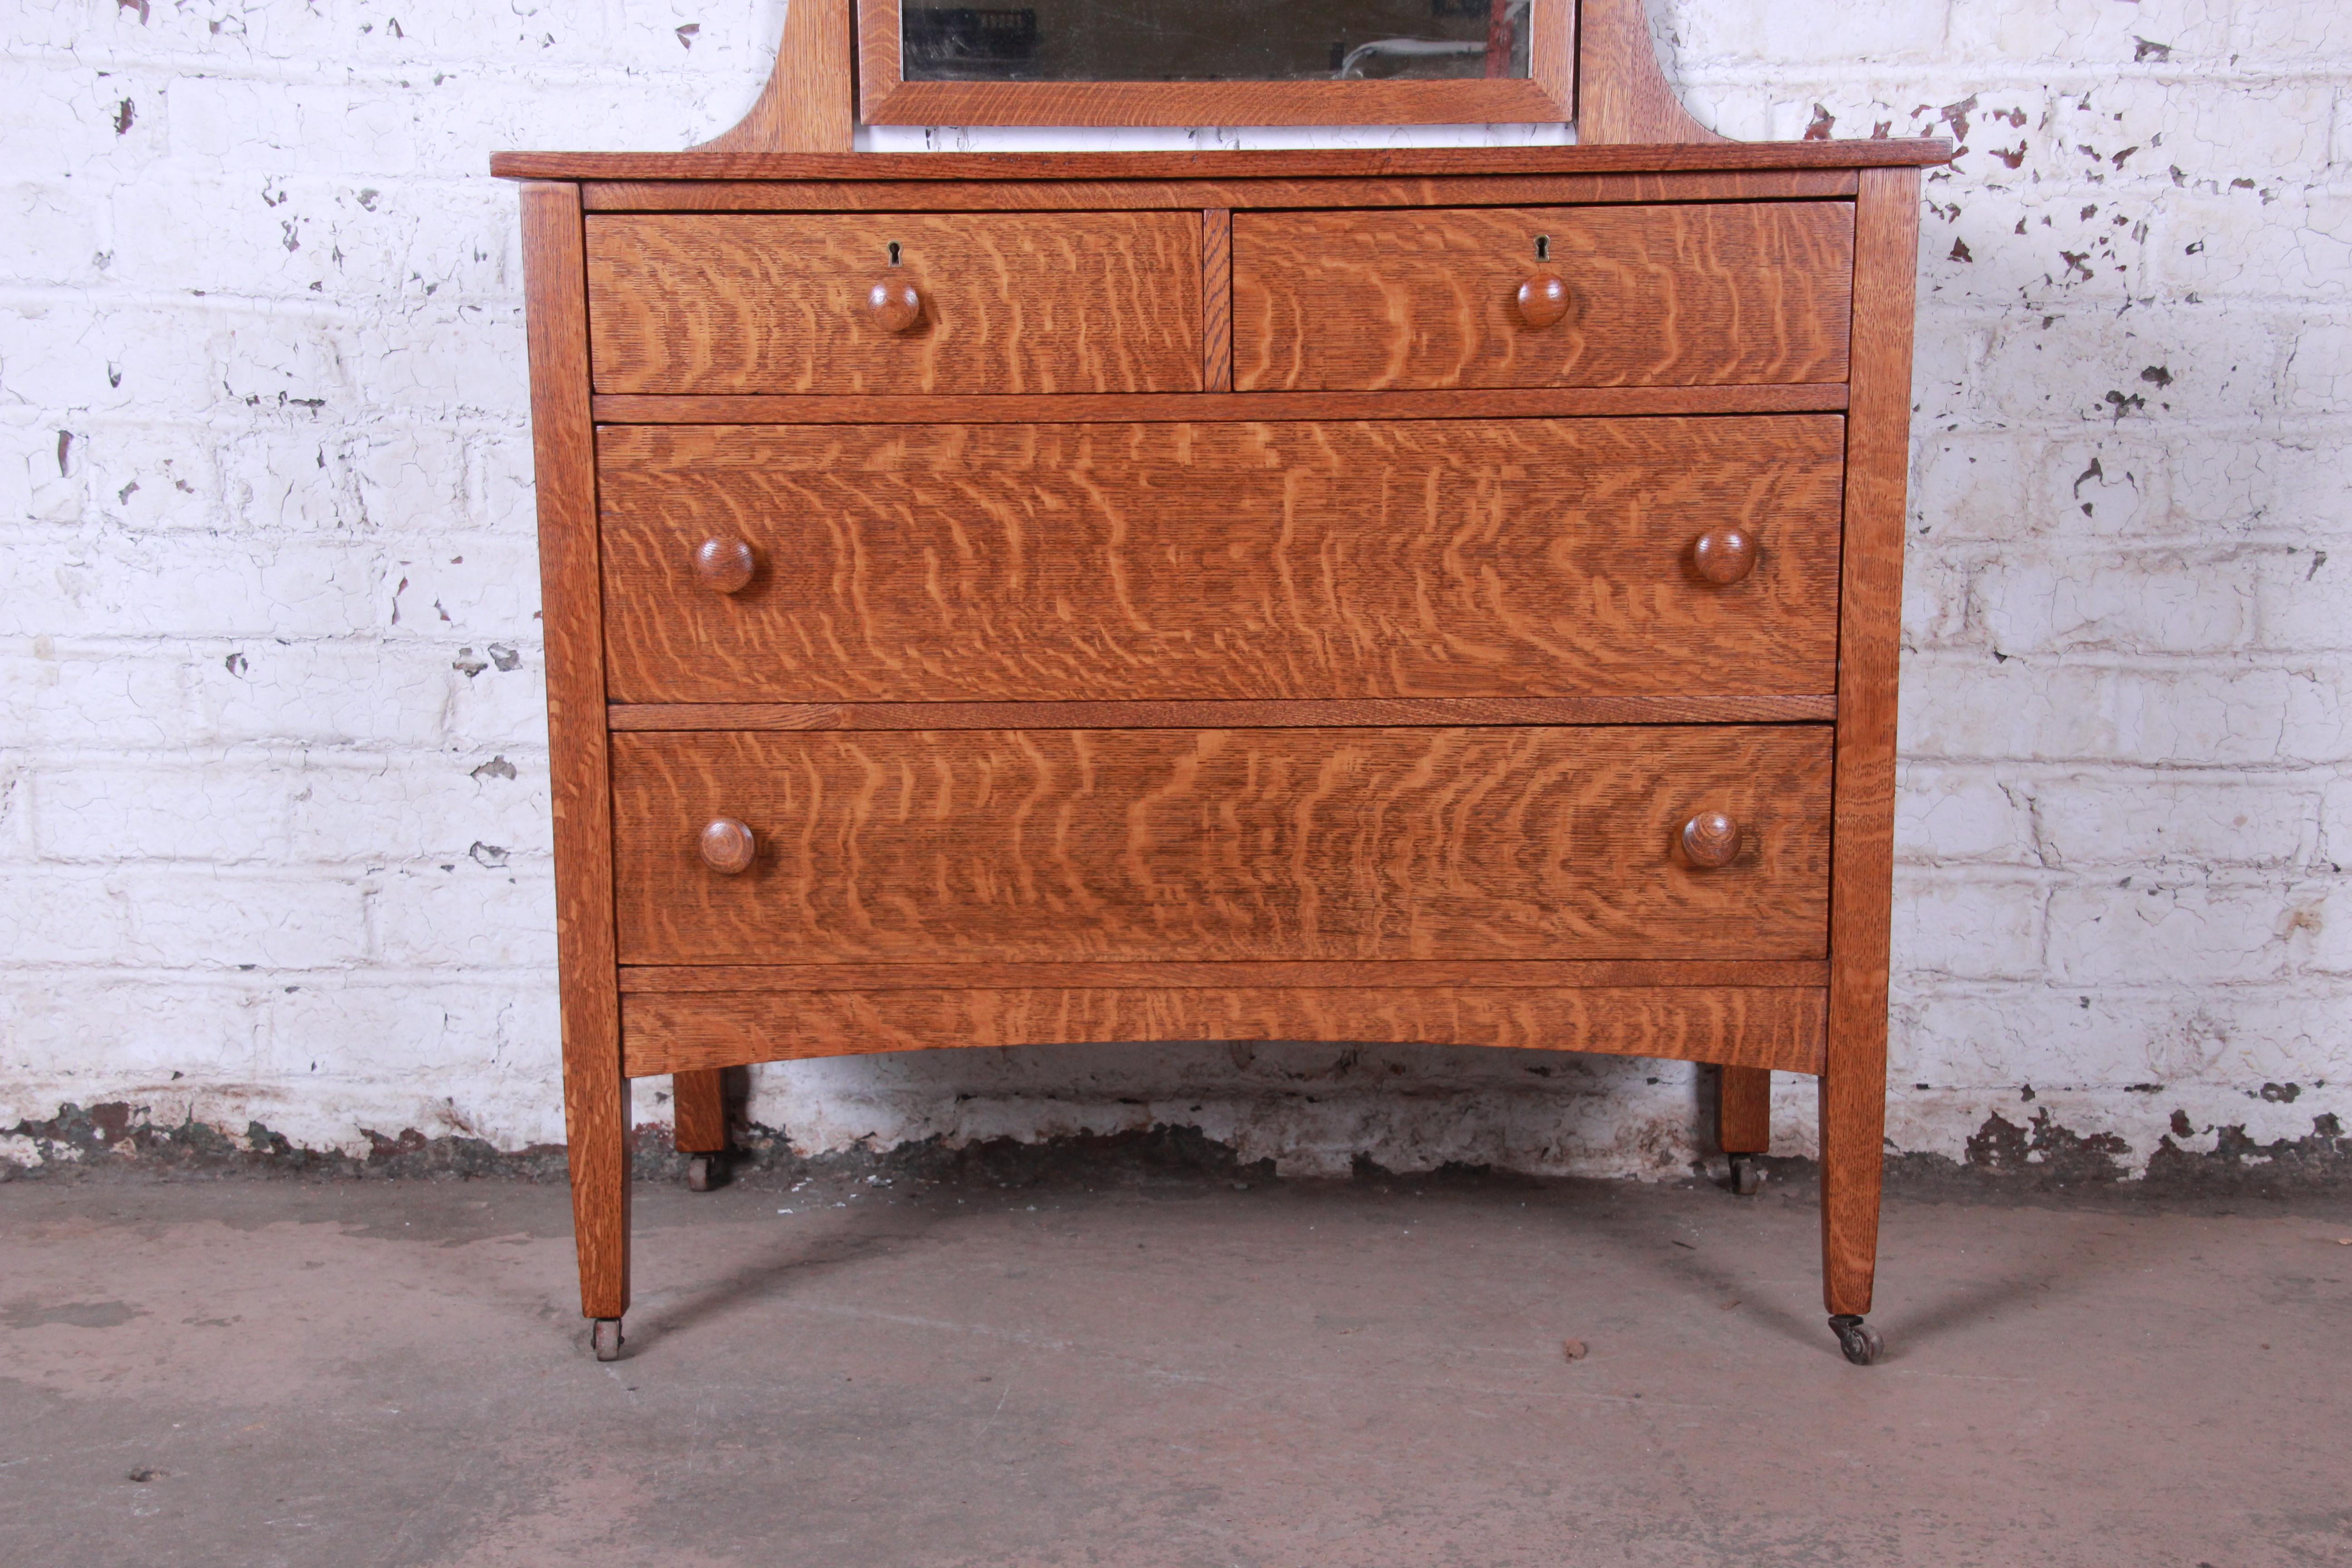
x=1683, y=708
x=1009, y=303
x=1040, y=791
x=1387, y=163
x=1763, y=1028
x=1421, y=975
x=1681, y=296
x=596, y=1094
x=1007, y=846
x=1110, y=195
x=1262, y=561
x=1853, y=1082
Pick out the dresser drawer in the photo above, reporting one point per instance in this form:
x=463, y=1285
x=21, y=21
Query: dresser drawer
x=1693, y=295
x=978, y=846
x=1253, y=561
x=1029, y=303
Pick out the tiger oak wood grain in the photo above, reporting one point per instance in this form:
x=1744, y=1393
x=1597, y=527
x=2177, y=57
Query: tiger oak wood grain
x=1622, y=95
x=1623, y=973
x=806, y=105
x=1146, y=407
x=1248, y=561
x=997, y=845
x=1777, y=1028
x=1673, y=295
x=596, y=1092
x=1683, y=708
x=1112, y=196
x=1368, y=163
x=1170, y=830
x=1743, y=1108
x=1216, y=300
x=697, y=1111
x=1011, y=303
x=1853, y=1082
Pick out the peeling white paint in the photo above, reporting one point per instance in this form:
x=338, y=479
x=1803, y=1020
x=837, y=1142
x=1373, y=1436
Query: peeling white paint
x=273, y=797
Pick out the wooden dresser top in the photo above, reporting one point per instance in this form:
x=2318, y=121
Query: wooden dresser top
x=1373, y=163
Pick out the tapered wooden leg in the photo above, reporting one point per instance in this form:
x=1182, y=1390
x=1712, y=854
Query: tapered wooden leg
x=1743, y=1109
x=1854, y=1074
x=1853, y=1134
x=700, y=1103
x=596, y=1125
x=1743, y=1120
x=563, y=437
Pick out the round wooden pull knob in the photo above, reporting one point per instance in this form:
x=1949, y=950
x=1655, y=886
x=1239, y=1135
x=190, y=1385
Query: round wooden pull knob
x=727, y=846
x=1711, y=839
x=896, y=305
x=1543, y=300
x=1724, y=555
x=724, y=565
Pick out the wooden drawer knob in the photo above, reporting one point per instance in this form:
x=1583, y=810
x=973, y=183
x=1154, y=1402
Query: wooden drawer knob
x=727, y=846
x=1724, y=555
x=724, y=565
x=1543, y=300
x=1711, y=839
x=896, y=305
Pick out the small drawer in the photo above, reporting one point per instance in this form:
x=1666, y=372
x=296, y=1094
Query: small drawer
x=972, y=845
x=1713, y=295
x=895, y=302
x=1066, y=563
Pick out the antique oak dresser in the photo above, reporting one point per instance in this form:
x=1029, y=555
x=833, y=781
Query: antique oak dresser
x=1416, y=595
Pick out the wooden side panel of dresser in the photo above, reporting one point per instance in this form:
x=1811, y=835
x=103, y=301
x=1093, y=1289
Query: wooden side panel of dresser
x=1066, y=696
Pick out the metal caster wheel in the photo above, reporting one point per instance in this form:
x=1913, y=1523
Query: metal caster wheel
x=1859, y=1342
x=701, y=1173
x=1746, y=1176
x=606, y=1337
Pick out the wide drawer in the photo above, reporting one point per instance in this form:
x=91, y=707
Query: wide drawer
x=1033, y=302
x=1759, y=1027
x=1268, y=561
x=1694, y=295
x=1139, y=844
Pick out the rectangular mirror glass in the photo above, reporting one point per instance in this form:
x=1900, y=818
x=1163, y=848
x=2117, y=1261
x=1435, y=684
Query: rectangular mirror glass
x=1216, y=41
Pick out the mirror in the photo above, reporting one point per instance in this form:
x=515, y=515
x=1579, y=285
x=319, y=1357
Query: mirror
x=1215, y=40
x=1215, y=62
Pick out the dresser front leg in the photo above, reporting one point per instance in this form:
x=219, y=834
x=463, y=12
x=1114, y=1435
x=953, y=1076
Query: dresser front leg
x=1854, y=1135
x=699, y=1102
x=596, y=1114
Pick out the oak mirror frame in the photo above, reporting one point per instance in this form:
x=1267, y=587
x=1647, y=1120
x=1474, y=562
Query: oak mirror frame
x=986, y=94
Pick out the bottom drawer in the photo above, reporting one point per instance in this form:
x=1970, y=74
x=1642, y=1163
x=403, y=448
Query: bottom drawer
x=1057, y=846
x=1737, y=1026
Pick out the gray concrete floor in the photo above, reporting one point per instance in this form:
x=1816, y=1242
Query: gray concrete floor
x=1165, y=1371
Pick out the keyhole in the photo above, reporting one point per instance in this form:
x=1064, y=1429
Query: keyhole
x=1543, y=249
x=894, y=252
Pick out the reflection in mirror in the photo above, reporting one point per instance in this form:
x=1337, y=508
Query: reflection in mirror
x=1215, y=40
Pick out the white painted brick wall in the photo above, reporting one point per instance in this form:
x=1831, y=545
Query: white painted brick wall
x=273, y=800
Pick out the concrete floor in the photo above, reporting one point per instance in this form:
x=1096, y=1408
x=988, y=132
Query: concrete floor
x=1160, y=1371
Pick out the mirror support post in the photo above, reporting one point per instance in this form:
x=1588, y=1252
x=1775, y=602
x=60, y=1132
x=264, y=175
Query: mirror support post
x=809, y=102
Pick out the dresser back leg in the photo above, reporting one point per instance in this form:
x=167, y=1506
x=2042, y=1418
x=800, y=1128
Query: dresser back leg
x=1743, y=1109
x=700, y=1102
